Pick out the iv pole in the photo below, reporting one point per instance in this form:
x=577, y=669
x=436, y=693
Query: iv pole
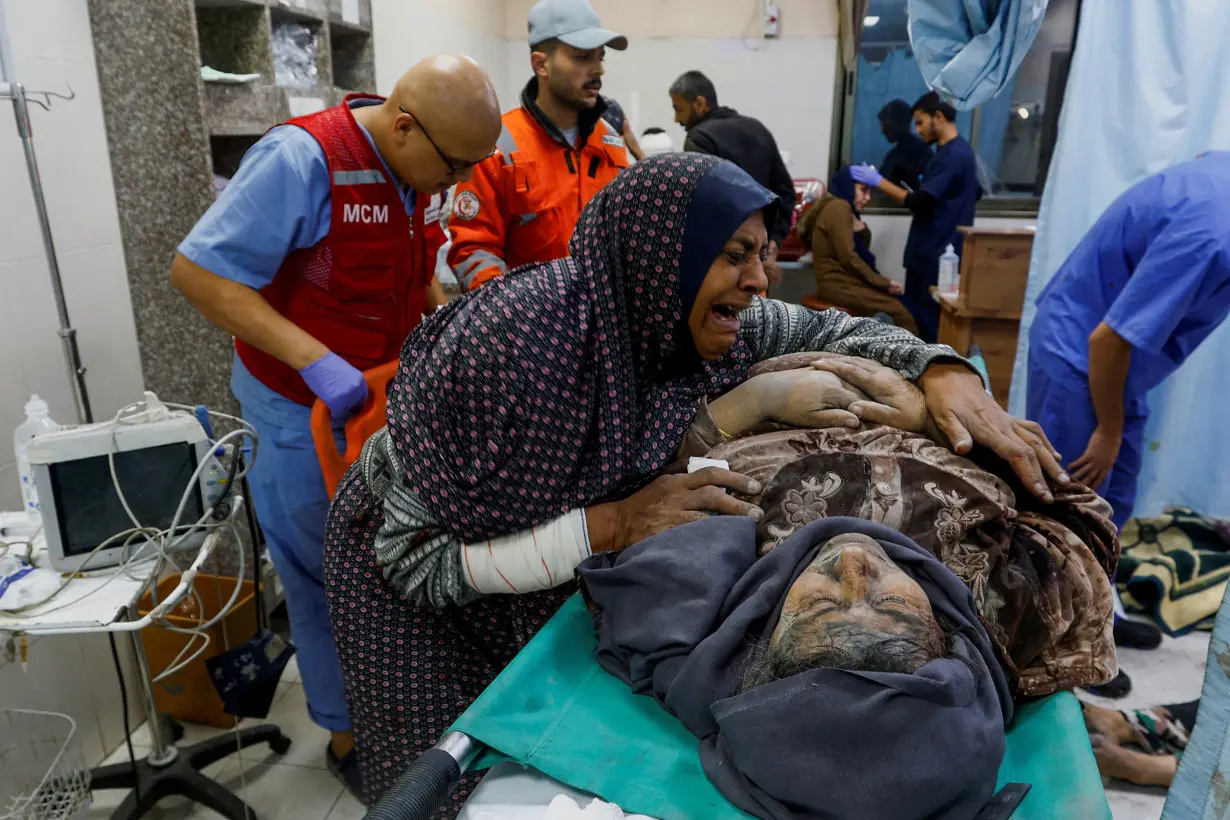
x=22, y=98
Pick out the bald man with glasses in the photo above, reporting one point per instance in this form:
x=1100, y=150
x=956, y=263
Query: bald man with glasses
x=317, y=259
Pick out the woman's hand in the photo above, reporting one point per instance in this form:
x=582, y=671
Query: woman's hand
x=965, y=413
x=806, y=398
x=892, y=399
x=896, y=288
x=670, y=501
x=798, y=397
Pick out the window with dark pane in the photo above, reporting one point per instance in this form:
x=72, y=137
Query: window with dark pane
x=1013, y=134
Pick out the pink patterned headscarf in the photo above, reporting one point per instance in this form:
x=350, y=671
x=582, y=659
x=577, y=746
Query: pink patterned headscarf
x=567, y=383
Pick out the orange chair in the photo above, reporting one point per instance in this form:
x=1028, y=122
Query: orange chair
x=815, y=304
x=359, y=427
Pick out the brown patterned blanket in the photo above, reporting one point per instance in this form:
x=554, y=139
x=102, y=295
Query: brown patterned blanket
x=1040, y=574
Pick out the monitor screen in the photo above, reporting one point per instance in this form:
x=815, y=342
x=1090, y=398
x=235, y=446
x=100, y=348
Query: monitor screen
x=153, y=479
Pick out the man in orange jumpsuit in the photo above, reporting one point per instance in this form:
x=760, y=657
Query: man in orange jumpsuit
x=555, y=152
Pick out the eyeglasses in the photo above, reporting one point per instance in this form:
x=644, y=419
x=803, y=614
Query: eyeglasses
x=455, y=167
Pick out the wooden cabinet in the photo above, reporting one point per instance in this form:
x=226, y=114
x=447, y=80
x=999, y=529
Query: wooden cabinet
x=987, y=309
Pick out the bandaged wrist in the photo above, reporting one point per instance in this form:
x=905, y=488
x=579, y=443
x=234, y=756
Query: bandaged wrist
x=542, y=557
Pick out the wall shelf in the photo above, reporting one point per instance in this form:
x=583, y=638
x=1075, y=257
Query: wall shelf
x=232, y=110
x=306, y=10
x=352, y=14
x=216, y=4
x=169, y=132
x=353, y=57
x=227, y=151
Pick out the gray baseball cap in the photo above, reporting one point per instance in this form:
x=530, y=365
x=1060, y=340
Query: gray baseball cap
x=573, y=22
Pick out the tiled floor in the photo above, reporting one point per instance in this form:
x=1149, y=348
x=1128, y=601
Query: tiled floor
x=1172, y=673
x=298, y=785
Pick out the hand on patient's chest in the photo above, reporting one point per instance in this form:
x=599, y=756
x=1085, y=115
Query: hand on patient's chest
x=794, y=389
x=806, y=398
x=894, y=400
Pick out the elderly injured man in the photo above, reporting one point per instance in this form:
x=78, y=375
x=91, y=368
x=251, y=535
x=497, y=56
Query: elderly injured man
x=856, y=650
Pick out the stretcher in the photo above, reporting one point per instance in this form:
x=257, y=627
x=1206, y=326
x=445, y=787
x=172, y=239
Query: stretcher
x=554, y=710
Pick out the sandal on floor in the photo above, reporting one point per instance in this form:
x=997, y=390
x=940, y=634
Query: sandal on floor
x=1120, y=686
x=346, y=769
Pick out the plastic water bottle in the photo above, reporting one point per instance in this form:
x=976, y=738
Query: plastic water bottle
x=950, y=271
x=38, y=421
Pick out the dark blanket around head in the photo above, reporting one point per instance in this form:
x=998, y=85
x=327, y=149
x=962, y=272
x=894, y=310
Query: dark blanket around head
x=680, y=614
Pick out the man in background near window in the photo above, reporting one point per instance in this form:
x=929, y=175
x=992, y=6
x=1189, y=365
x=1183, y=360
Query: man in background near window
x=555, y=153
x=944, y=200
x=724, y=132
x=907, y=160
x=317, y=259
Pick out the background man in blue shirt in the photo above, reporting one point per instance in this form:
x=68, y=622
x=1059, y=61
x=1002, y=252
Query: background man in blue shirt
x=1146, y=285
x=301, y=284
x=945, y=199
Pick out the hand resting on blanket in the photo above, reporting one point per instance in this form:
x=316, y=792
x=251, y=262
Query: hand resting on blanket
x=834, y=391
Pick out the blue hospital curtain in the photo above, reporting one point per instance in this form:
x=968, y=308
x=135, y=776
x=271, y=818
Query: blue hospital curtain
x=1147, y=89
x=969, y=50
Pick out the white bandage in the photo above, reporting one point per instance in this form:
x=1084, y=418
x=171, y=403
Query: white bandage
x=541, y=557
x=697, y=463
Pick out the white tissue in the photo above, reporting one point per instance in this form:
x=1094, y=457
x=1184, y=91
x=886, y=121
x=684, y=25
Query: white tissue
x=697, y=463
x=23, y=585
x=564, y=807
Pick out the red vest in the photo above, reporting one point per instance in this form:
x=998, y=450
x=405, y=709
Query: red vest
x=361, y=289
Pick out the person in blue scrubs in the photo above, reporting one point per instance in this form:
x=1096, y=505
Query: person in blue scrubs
x=945, y=199
x=280, y=201
x=1146, y=285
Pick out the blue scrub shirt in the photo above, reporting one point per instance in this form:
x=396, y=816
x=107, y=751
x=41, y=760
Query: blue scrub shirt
x=278, y=201
x=952, y=178
x=1155, y=267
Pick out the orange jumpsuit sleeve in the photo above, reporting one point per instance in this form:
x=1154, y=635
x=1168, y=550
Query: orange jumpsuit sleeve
x=478, y=225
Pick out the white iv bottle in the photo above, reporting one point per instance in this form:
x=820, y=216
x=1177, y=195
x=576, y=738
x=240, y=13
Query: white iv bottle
x=38, y=421
x=950, y=271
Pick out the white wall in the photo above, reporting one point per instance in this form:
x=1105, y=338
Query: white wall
x=889, y=232
x=45, y=45
x=787, y=83
x=406, y=31
x=48, y=44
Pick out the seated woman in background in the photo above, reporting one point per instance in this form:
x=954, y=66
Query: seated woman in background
x=530, y=423
x=840, y=243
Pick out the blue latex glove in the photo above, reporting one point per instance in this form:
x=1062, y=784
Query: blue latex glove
x=338, y=384
x=866, y=174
